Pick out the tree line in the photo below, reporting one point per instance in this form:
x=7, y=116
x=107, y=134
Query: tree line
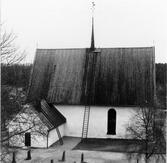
x=16, y=75
x=161, y=83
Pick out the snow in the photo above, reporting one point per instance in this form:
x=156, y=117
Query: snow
x=55, y=153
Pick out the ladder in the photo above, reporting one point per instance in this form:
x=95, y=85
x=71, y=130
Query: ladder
x=85, y=122
x=90, y=81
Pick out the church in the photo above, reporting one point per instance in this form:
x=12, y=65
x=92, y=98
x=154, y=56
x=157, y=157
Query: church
x=91, y=92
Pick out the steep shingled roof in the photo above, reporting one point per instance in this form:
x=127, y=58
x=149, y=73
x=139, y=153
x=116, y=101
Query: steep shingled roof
x=51, y=114
x=121, y=76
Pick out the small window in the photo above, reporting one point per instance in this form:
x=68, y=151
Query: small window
x=111, y=122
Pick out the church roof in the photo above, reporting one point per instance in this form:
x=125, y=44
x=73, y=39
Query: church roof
x=106, y=76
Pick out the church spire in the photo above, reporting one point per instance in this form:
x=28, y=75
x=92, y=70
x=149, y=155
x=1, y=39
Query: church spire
x=92, y=47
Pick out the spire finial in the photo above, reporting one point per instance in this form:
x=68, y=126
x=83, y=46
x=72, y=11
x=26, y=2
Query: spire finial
x=92, y=47
x=93, y=8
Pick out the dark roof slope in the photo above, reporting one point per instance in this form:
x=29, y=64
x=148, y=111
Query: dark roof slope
x=51, y=114
x=110, y=76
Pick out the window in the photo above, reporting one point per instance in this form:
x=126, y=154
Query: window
x=111, y=122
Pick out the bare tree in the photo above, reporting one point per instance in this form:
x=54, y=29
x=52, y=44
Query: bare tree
x=18, y=118
x=27, y=120
x=148, y=125
x=10, y=54
x=11, y=104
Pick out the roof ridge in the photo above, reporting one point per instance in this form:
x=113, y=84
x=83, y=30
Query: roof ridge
x=135, y=47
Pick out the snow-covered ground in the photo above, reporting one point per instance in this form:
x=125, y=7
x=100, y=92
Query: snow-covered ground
x=45, y=156
x=55, y=153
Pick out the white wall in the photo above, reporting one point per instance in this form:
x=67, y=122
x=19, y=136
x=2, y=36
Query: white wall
x=74, y=117
x=36, y=141
x=23, y=121
x=53, y=137
x=73, y=126
x=39, y=141
x=97, y=121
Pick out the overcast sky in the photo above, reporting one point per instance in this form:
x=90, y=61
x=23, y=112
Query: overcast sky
x=67, y=24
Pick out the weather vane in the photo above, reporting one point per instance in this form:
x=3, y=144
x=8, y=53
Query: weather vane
x=93, y=8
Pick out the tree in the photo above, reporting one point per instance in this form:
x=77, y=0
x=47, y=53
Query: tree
x=148, y=125
x=17, y=118
x=28, y=120
x=10, y=105
x=10, y=54
x=161, y=80
x=16, y=75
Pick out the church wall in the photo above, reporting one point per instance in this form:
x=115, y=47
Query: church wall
x=53, y=137
x=74, y=117
x=97, y=122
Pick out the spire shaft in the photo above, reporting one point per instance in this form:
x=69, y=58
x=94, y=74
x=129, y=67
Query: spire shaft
x=92, y=47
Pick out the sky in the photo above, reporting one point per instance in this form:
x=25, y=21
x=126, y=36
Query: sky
x=67, y=24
